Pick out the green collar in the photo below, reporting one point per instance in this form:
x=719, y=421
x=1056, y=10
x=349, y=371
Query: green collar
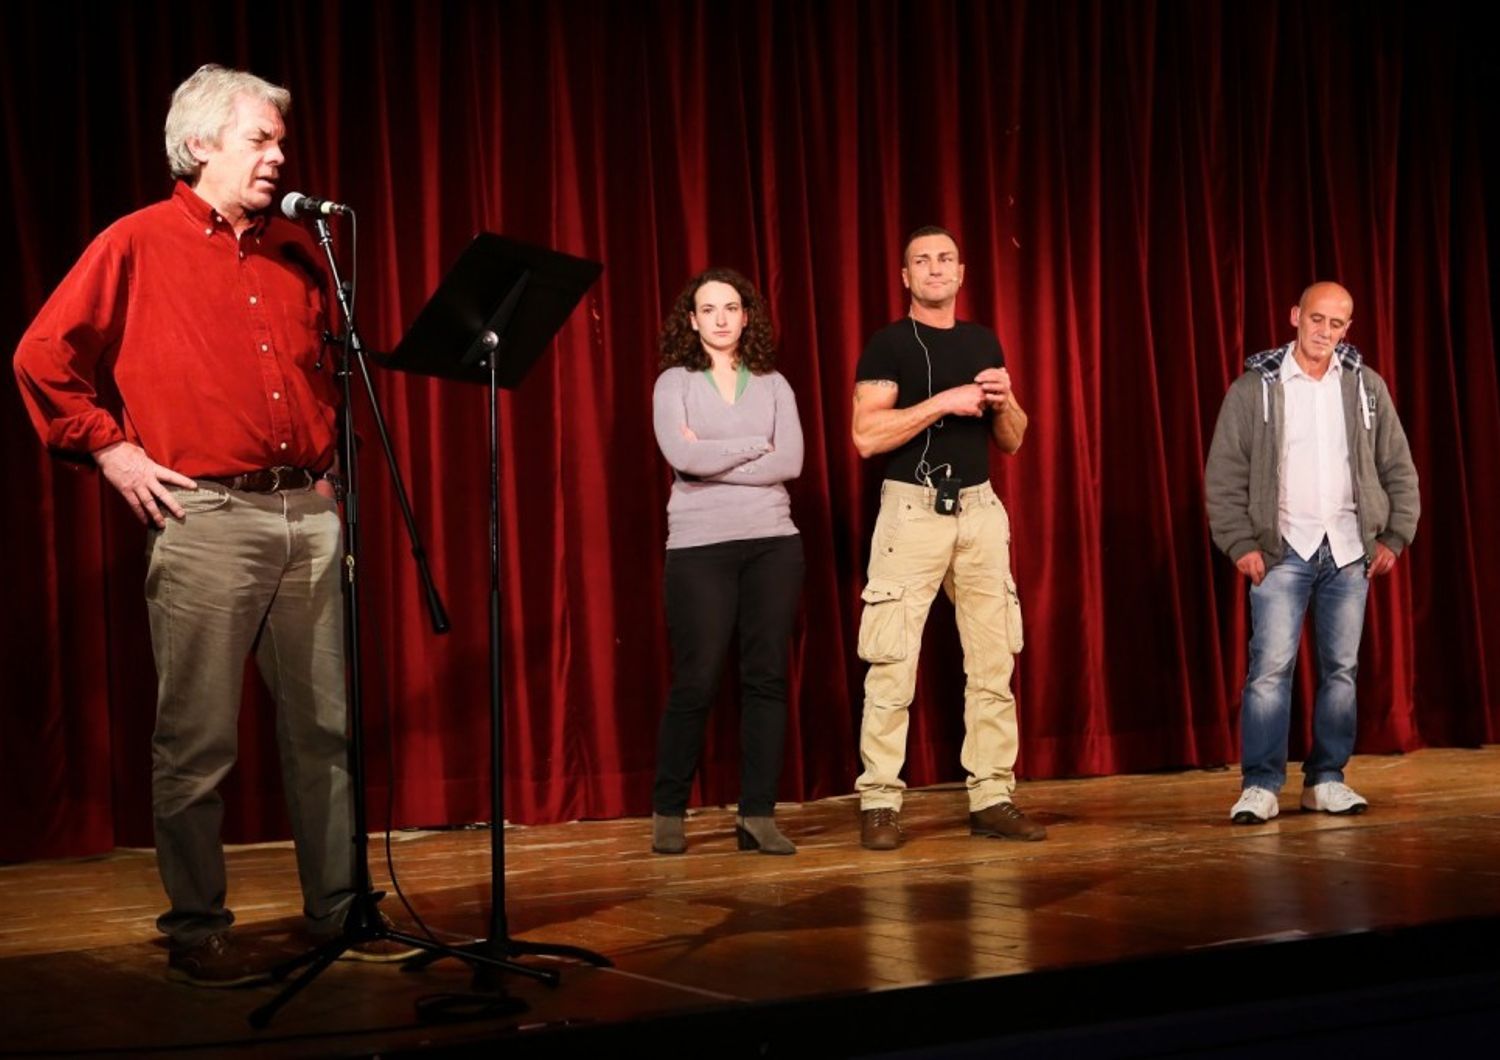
x=741, y=380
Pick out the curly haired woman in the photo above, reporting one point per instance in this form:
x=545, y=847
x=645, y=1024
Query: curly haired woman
x=726, y=421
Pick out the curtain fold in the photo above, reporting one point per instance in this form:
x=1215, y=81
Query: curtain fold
x=1140, y=191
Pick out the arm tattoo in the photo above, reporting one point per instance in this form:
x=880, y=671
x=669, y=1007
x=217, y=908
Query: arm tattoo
x=860, y=386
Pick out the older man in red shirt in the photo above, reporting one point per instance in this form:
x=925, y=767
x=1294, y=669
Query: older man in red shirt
x=182, y=355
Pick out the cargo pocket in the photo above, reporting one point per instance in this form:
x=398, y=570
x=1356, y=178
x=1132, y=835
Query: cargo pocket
x=882, y=627
x=1014, y=631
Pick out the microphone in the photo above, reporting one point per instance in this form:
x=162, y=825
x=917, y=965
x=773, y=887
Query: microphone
x=295, y=205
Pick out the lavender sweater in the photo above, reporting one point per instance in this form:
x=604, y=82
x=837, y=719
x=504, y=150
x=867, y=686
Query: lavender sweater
x=727, y=485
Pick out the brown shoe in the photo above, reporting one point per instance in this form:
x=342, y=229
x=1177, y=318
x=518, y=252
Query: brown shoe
x=880, y=829
x=1004, y=820
x=219, y=961
x=378, y=951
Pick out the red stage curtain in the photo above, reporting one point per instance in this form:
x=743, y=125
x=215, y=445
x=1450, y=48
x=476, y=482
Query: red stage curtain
x=1141, y=191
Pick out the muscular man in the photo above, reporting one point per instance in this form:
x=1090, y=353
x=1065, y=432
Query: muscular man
x=933, y=393
x=1311, y=491
x=182, y=355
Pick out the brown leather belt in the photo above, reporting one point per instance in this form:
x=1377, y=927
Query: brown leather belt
x=267, y=480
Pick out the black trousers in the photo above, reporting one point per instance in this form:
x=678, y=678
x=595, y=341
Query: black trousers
x=752, y=585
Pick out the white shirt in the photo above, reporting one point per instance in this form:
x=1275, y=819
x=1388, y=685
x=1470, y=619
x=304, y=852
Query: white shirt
x=1317, y=491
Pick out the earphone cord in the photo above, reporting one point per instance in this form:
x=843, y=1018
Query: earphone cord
x=924, y=470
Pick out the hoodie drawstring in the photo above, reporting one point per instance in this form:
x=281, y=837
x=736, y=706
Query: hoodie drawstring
x=1264, y=365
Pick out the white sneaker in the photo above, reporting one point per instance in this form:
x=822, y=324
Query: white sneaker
x=1256, y=806
x=1331, y=796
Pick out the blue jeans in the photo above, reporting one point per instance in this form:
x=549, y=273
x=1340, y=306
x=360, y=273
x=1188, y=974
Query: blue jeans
x=1277, y=605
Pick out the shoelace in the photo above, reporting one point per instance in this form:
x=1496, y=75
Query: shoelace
x=885, y=817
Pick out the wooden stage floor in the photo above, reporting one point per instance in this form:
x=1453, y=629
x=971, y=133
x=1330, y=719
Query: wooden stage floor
x=1135, y=868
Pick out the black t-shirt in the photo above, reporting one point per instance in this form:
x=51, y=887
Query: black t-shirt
x=957, y=355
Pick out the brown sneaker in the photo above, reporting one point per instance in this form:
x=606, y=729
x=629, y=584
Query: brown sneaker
x=880, y=829
x=1004, y=820
x=219, y=961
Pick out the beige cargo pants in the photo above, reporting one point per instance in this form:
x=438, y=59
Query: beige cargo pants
x=915, y=551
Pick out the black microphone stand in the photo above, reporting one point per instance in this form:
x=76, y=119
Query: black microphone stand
x=363, y=922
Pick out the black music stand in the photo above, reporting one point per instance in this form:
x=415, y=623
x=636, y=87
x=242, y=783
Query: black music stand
x=488, y=322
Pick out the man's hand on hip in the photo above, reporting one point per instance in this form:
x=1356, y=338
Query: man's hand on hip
x=1253, y=566
x=142, y=482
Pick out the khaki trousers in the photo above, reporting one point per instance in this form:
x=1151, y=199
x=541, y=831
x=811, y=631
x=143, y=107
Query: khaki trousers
x=915, y=551
x=247, y=572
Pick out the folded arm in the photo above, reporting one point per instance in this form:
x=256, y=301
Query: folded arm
x=691, y=455
x=879, y=427
x=784, y=461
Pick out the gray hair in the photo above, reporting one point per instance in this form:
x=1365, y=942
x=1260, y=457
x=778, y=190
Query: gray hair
x=203, y=106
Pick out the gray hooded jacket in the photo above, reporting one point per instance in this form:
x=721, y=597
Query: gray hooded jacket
x=1242, y=482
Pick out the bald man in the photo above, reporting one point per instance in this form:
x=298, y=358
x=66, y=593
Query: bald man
x=1311, y=491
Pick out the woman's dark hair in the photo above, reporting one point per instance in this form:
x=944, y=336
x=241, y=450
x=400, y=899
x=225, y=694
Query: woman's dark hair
x=679, y=343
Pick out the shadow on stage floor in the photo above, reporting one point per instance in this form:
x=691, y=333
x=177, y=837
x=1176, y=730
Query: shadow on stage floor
x=1145, y=925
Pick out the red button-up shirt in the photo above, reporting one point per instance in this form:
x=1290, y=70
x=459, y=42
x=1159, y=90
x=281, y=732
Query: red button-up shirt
x=202, y=348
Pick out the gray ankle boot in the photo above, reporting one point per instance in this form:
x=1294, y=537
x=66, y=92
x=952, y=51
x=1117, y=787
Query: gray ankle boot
x=761, y=833
x=667, y=835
